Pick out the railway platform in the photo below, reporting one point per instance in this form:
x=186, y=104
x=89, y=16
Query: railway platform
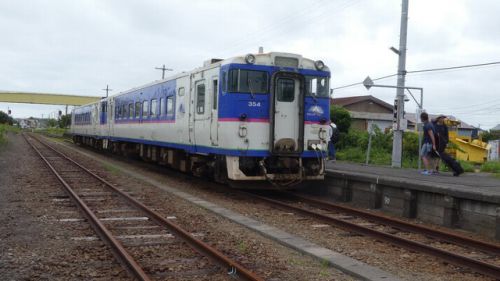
x=470, y=202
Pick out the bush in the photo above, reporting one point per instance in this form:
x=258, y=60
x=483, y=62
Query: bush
x=341, y=117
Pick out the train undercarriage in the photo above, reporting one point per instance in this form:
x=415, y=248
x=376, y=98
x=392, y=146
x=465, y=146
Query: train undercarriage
x=275, y=172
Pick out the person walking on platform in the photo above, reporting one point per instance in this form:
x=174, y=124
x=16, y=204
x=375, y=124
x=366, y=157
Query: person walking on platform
x=333, y=134
x=441, y=137
x=442, y=140
x=429, y=144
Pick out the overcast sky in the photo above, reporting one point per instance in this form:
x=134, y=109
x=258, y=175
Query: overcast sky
x=77, y=47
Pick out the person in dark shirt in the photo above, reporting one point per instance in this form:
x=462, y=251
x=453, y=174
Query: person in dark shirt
x=429, y=144
x=442, y=137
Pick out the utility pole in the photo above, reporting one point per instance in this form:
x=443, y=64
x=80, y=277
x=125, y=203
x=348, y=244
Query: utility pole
x=163, y=69
x=107, y=91
x=397, y=144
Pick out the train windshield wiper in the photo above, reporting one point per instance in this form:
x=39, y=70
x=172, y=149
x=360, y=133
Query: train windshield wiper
x=249, y=81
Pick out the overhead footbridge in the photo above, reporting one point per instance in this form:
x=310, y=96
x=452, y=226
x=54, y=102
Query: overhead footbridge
x=45, y=98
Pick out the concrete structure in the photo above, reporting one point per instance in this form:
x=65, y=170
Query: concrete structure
x=45, y=98
x=494, y=153
x=470, y=202
x=366, y=110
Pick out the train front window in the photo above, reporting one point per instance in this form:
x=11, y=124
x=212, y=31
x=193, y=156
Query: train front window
x=247, y=81
x=317, y=86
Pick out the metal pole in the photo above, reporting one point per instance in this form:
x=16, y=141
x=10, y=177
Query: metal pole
x=397, y=144
x=421, y=107
x=370, y=128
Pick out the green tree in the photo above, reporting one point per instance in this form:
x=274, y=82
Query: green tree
x=490, y=135
x=341, y=117
x=65, y=121
x=5, y=118
x=52, y=123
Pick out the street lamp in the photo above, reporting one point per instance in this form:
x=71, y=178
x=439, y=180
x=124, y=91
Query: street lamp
x=368, y=83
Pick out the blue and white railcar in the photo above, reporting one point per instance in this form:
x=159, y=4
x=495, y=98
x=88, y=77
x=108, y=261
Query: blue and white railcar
x=254, y=117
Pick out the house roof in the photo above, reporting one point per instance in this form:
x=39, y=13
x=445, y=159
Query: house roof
x=463, y=125
x=356, y=99
x=496, y=128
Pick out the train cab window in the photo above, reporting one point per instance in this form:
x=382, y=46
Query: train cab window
x=138, y=106
x=285, y=90
x=145, y=108
x=181, y=91
x=200, y=99
x=247, y=81
x=170, y=105
x=162, y=107
x=154, y=108
x=317, y=86
x=215, y=90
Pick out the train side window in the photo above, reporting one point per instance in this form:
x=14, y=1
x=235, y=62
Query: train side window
x=200, y=99
x=181, y=91
x=224, y=81
x=162, y=107
x=216, y=93
x=145, y=108
x=170, y=105
x=138, y=106
x=131, y=110
x=154, y=108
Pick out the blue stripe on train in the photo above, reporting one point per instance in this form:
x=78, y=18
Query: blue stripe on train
x=256, y=106
x=205, y=149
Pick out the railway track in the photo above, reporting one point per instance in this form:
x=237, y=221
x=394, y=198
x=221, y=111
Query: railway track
x=389, y=230
x=82, y=185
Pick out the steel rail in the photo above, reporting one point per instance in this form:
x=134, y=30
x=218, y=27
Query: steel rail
x=403, y=225
x=476, y=265
x=117, y=248
x=233, y=268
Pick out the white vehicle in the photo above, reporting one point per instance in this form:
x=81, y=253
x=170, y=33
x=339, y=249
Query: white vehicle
x=255, y=117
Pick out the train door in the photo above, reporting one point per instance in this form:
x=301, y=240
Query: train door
x=200, y=113
x=214, y=119
x=95, y=120
x=190, y=109
x=103, y=118
x=111, y=117
x=288, y=122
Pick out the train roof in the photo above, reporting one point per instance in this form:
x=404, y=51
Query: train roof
x=268, y=59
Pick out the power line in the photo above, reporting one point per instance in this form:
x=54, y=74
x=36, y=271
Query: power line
x=454, y=67
x=425, y=70
x=360, y=83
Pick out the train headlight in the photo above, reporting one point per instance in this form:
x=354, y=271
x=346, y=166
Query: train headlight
x=250, y=59
x=319, y=65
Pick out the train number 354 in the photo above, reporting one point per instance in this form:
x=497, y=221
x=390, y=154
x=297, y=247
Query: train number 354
x=254, y=103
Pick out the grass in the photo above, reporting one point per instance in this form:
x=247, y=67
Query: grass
x=492, y=167
x=7, y=128
x=111, y=168
x=53, y=132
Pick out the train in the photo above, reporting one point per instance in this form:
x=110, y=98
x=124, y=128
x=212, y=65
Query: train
x=260, y=117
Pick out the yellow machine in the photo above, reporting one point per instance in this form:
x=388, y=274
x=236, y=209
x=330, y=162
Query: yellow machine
x=465, y=148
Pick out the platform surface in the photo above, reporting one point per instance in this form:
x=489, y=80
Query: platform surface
x=475, y=186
